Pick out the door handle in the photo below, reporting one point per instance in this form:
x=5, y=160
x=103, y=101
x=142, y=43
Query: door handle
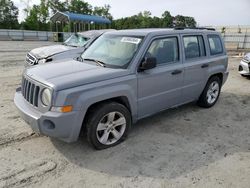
x=204, y=65
x=176, y=72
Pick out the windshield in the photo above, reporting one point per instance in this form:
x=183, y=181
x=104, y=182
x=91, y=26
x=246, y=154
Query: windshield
x=76, y=40
x=113, y=50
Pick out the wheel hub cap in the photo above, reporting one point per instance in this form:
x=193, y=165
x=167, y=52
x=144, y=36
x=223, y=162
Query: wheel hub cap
x=213, y=92
x=110, y=128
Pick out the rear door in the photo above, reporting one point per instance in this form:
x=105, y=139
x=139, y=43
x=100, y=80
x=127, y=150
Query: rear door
x=195, y=66
x=160, y=88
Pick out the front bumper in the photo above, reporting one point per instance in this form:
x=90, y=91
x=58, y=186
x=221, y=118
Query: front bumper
x=244, y=68
x=64, y=126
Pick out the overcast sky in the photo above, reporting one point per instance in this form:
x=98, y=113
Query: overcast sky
x=205, y=12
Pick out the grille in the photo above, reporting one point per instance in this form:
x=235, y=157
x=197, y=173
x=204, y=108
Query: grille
x=30, y=91
x=31, y=59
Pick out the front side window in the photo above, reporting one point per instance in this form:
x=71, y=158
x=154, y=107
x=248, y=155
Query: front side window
x=165, y=50
x=76, y=40
x=215, y=44
x=113, y=50
x=194, y=47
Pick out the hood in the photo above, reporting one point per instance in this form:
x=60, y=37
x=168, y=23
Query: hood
x=72, y=73
x=44, y=52
x=248, y=55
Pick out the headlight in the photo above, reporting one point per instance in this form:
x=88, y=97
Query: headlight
x=46, y=97
x=41, y=61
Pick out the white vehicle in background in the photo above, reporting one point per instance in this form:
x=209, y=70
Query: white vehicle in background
x=71, y=48
x=244, y=67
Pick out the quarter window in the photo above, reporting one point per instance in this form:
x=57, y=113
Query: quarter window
x=194, y=47
x=215, y=44
x=165, y=50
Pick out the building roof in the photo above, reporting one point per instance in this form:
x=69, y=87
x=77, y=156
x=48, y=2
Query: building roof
x=68, y=16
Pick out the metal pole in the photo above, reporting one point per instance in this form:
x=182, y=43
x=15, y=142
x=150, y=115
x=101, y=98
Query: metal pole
x=56, y=27
x=69, y=26
x=245, y=40
x=62, y=23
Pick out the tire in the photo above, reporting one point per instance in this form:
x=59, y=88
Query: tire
x=245, y=76
x=103, y=128
x=211, y=92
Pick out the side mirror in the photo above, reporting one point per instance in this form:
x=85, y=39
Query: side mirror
x=148, y=63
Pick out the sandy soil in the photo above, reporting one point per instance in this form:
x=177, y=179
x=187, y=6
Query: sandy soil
x=183, y=147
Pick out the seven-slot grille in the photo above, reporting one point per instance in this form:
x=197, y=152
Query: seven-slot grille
x=31, y=59
x=30, y=91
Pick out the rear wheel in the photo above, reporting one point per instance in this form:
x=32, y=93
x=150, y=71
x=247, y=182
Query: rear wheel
x=108, y=125
x=211, y=92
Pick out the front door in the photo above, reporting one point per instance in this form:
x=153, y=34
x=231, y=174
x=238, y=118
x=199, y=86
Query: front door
x=160, y=88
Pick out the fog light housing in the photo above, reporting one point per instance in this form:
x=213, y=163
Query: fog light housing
x=240, y=68
x=48, y=124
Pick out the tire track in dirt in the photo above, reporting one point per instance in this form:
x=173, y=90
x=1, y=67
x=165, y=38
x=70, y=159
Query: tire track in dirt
x=29, y=174
x=10, y=140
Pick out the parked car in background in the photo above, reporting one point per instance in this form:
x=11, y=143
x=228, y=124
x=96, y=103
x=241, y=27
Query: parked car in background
x=122, y=77
x=71, y=48
x=244, y=67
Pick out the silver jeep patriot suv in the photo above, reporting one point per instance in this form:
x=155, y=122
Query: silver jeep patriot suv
x=122, y=77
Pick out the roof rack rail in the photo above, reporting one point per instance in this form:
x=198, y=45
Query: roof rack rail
x=201, y=28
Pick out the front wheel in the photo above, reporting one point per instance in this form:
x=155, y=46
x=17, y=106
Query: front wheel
x=246, y=76
x=108, y=125
x=211, y=92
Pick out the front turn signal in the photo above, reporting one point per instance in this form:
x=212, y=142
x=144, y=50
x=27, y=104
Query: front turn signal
x=62, y=109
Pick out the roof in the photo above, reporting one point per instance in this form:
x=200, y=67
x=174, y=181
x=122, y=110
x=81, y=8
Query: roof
x=159, y=31
x=68, y=16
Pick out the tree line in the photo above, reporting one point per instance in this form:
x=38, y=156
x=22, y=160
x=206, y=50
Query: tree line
x=145, y=20
x=37, y=16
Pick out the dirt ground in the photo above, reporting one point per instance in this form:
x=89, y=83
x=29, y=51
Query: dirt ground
x=183, y=147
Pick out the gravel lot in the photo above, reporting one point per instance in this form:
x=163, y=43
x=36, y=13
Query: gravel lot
x=183, y=147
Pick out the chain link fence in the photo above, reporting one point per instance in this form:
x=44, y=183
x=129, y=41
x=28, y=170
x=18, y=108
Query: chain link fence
x=26, y=35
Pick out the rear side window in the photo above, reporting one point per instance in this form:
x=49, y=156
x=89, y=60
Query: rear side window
x=215, y=44
x=165, y=50
x=194, y=46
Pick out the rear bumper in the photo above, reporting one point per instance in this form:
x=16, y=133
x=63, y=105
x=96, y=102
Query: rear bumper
x=64, y=126
x=244, y=68
x=225, y=76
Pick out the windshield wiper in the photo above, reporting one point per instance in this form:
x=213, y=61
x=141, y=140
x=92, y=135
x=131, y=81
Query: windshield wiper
x=65, y=44
x=100, y=63
x=79, y=58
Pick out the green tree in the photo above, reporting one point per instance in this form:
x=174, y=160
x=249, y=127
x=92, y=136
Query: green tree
x=57, y=5
x=179, y=21
x=167, y=19
x=145, y=19
x=103, y=11
x=190, y=21
x=80, y=7
x=184, y=21
x=38, y=17
x=31, y=21
x=8, y=15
